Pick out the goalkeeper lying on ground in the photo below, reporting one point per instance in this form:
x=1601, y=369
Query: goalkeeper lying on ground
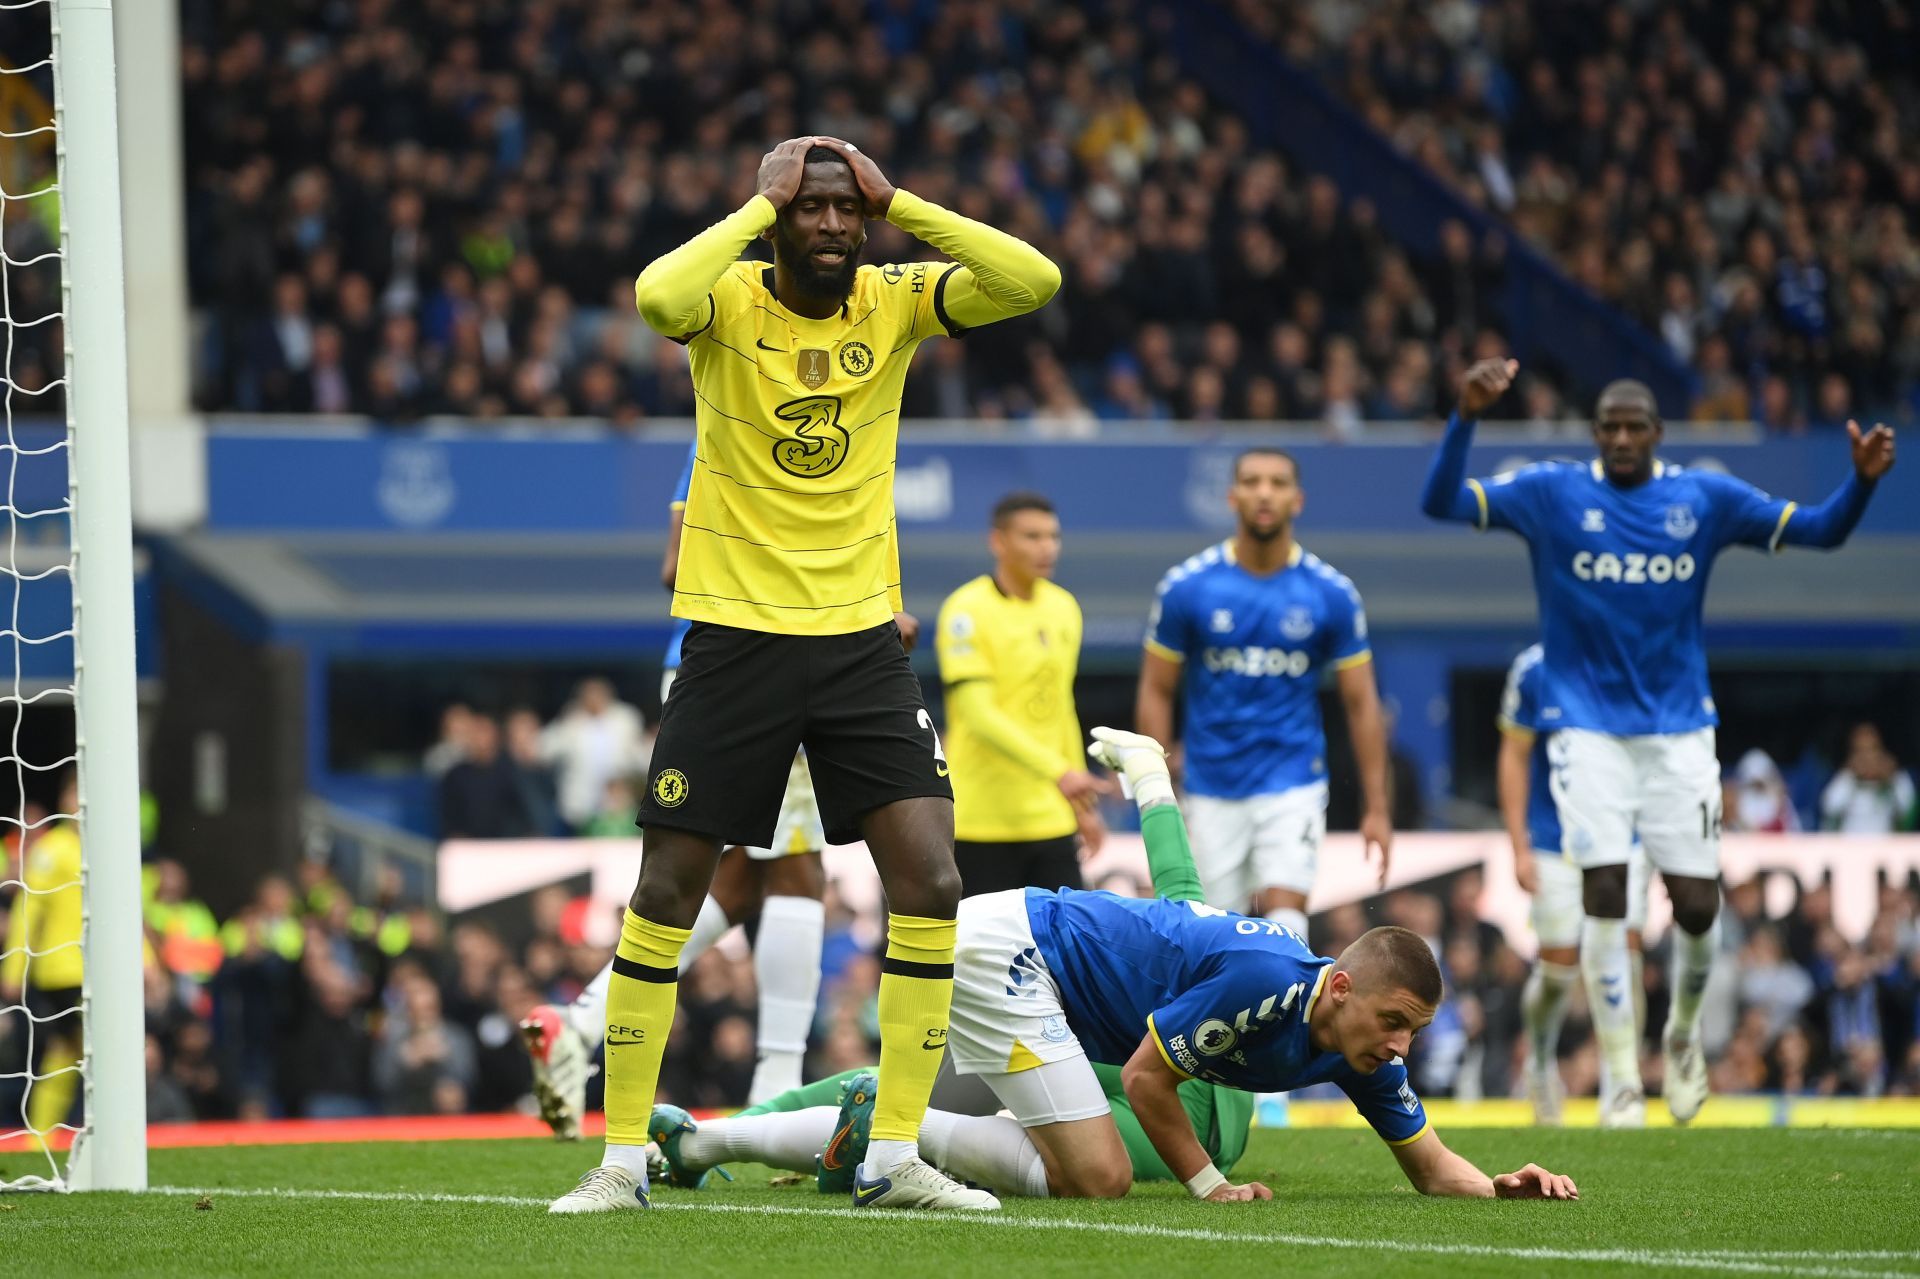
x=1050, y=985
x=822, y=1125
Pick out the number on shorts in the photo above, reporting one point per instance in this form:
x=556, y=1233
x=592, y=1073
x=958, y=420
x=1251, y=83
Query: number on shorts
x=1709, y=820
x=939, y=754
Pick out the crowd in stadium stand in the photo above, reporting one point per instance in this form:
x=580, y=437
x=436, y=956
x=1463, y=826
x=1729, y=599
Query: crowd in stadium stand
x=511, y=777
x=1742, y=178
x=30, y=299
x=406, y=210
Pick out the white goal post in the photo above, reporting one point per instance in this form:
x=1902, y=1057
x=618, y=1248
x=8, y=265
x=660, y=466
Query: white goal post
x=109, y=1148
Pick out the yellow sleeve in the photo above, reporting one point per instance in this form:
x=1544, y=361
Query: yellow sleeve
x=896, y=598
x=973, y=702
x=958, y=643
x=1077, y=748
x=999, y=275
x=674, y=293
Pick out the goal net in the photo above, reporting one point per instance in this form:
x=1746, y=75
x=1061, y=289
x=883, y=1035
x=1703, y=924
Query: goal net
x=72, y=1087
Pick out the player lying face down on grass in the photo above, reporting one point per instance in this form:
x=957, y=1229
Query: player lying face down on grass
x=1176, y=993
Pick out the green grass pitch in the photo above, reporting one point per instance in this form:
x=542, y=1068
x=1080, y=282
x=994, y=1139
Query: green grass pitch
x=1834, y=1203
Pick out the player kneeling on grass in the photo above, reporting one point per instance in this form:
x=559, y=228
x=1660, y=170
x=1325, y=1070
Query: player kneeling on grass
x=1049, y=983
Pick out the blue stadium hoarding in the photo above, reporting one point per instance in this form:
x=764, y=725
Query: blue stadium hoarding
x=474, y=480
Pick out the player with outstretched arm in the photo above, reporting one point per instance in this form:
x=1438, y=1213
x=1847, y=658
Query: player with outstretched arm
x=1622, y=547
x=1194, y=1004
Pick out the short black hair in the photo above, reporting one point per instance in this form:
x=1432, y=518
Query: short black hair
x=827, y=155
x=1391, y=958
x=1266, y=450
x=1017, y=501
x=1628, y=388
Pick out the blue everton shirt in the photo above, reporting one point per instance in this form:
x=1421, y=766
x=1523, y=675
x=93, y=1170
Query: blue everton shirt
x=1520, y=710
x=680, y=624
x=1226, y=997
x=1621, y=576
x=1253, y=649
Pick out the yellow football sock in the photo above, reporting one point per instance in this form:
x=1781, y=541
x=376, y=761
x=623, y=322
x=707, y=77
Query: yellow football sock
x=640, y=1000
x=916, y=995
x=55, y=1085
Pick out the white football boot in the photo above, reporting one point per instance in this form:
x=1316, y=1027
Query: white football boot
x=562, y=1064
x=918, y=1184
x=1624, y=1107
x=1686, y=1077
x=605, y=1189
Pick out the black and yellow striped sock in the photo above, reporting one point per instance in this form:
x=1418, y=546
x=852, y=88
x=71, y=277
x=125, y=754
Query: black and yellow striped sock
x=916, y=995
x=640, y=1002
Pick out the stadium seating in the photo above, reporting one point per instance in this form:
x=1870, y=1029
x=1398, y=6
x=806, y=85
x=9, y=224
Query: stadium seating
x=1741, y=178
x=400, y=236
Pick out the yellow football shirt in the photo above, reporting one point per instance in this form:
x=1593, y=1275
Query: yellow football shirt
x=1008, y=748
x=47, y=917
x=789, y=519
x=788, y=526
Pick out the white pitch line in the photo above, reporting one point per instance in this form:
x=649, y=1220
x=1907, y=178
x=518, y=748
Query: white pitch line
x=1757, y=1262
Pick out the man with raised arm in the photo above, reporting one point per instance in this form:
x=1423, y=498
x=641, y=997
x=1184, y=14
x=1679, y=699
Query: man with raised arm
x=1622, y=547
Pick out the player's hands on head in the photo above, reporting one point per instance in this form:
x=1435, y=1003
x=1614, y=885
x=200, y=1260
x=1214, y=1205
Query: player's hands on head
x=909, y=629
x=1376, y=829
x=1534, y=1182
x=1232, y=1194
x=1872, y=450
x=874, y=187
x=782, y=168
x=1484, y=383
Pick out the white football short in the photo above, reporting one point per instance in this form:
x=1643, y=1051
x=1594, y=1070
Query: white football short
x=1263, y=841
x=1008, y=1025
x=1665, y=787
x=1558, y=906
x=798, y=828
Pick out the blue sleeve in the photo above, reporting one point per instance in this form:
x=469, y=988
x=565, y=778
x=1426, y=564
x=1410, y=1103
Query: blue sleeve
x=1386, y=1100
x=1742, y=514
x=1829, y=524
x=1505, y=501
x=1447, y=495
x=685, y=485
x=1347, y=632
x=1513, y=499
x=1520, y=701
x=1198, y=1030
x=1168, y=625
